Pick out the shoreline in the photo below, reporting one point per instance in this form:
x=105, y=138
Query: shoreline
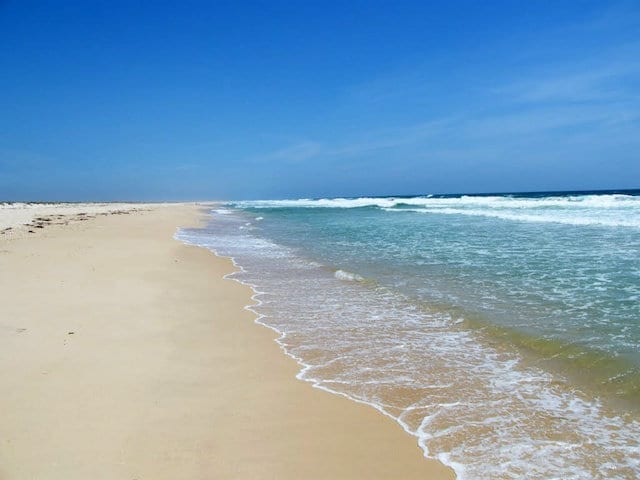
x=450, y=469
x=437, y=378
x=172, y=379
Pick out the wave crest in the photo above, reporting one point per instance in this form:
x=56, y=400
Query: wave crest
x=348, y=276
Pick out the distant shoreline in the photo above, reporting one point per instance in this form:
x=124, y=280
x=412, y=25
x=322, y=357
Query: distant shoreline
x=526, y=193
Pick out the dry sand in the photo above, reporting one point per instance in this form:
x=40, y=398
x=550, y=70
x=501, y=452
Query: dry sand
x=125, y=355
x=19, y=217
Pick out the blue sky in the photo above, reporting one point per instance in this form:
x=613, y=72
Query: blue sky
x=208, y=100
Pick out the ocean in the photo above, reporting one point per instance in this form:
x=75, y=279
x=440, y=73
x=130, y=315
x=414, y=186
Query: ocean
x=502, y=331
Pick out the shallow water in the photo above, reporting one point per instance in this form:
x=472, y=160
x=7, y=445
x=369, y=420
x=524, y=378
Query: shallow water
x=501, y=331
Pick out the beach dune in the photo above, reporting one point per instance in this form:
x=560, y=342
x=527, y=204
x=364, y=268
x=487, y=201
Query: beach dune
x=124, y=354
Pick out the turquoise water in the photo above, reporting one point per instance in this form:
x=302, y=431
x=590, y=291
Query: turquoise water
x=502, y=331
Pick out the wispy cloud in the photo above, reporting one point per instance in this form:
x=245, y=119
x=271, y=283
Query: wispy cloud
x=615, y=15
x=473, y=131
x=370, y=142
x=595, y=83
x=541, y=121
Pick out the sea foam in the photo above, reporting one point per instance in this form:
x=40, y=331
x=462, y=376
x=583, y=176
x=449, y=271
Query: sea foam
x=614, y=210
x=348, y=276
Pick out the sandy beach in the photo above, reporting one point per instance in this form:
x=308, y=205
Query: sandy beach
x=125, y=354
